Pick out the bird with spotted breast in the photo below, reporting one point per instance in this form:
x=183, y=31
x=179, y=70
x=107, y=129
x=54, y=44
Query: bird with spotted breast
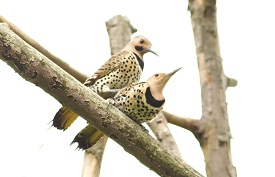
x=122, y=69
x=140, y=101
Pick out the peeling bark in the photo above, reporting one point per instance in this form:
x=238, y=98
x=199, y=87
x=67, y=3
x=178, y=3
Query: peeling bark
x=37, y=69
x=214, y=127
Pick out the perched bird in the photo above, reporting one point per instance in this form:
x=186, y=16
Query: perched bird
x=140, y=101
x=122, y=69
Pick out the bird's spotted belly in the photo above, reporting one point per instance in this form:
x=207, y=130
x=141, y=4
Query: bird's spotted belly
x=135, y=107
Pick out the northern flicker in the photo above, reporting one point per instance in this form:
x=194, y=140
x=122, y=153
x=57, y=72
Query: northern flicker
x=122, y=69
x=140, y=101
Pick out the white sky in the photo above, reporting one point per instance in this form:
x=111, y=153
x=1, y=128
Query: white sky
x=75, y=31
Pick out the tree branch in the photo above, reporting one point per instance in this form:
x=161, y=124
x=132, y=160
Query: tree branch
x=93, y=158
x=161, y=130
x=184, y=122
x=78, y=75
x=36, y=68
x=231, y=82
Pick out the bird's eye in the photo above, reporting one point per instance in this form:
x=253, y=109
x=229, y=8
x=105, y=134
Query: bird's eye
x=156, y=75
x=141, y=41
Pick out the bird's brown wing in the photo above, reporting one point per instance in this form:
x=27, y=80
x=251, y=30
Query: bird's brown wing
x=112, y=64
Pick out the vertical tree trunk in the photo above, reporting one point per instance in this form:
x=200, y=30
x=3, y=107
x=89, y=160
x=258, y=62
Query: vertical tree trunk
x=213, y=131
x=120, y=31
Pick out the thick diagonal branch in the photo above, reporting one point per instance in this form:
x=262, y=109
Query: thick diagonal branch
x=78, y=75
x=37, y=69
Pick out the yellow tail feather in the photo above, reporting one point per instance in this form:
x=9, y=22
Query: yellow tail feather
x=64, y=118
x=87, y=137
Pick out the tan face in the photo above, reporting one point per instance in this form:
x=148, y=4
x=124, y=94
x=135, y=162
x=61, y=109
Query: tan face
x=142, y=45
x=157, y=79
x=160, y=79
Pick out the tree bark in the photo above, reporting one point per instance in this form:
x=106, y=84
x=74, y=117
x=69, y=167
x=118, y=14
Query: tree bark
x=184, y=122
x=37, y=69
x=93, y=158
x=120, y=30
x=78, y=75
x=159, y=127
x=213, y=132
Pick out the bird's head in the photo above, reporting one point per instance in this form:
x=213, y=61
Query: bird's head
x=140, y=45
x=158, y=81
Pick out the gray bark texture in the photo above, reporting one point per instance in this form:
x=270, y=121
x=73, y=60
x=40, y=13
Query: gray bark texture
x=213, y=131
x=159, y=127
x=79, y=76
x=36, y=68
x=93, y=158
x=120, y=30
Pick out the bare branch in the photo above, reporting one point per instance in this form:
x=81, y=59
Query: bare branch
x=161, y=130
x=93, y=158
x=37, y=69
x=231, y=82
x=184, y=122
x=78, y=75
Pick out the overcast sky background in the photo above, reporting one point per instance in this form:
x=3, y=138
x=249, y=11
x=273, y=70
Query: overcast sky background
x=75, y=31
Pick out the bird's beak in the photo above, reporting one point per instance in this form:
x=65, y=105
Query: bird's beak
x=168, y=76
x=149, y=50
x=172, y=73
x=162, y=82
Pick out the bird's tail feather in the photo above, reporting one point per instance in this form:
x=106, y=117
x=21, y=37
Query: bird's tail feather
x=87, y=137
x=64, y=118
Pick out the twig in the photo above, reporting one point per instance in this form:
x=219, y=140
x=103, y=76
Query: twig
x=184, y=122
x=231, y=82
